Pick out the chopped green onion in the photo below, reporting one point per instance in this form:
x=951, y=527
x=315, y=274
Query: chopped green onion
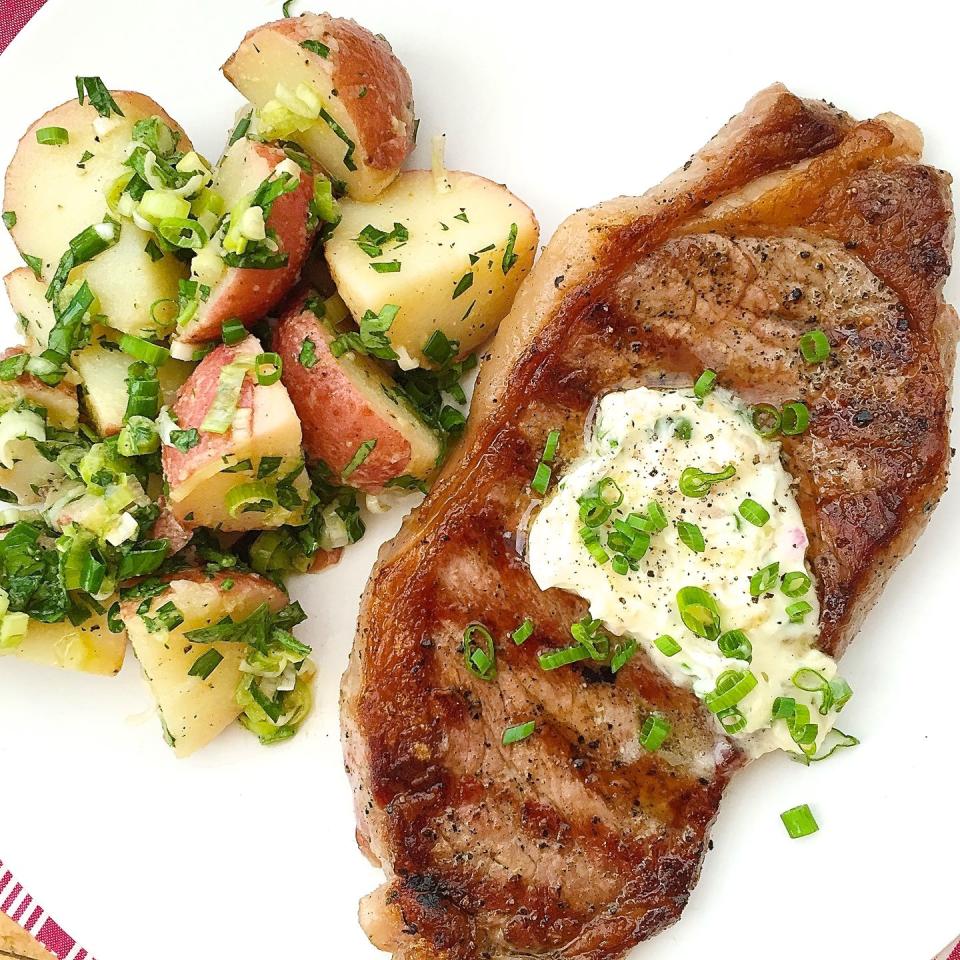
x=766, y=419
x=256, y=496
x=704, y=384
x=9, y=219
x=592, y=542
x=182, y=232
x=667, y=645
x=797, y=611
x=695, y=482
x=799, y=822
x=732, y=720
x=841, y=692
x=205, y=664
x=541, y=479
x=657, y=517
x=654, y=731
x=523, y=632
x=622, y=655
x=590, y=636
x=560, y=658
x=550, y=447
x=752, y=512
x=114, y=623
x=609, y=492
x=220, y=413
x=691, y=536
x=735, y=645
x=795, y=584
x=479, y=652
x=620, y=564
x=684, y=429
x=732, y=687
x=593, y=511
x=52, y=136
x=699, y=612
x=233, y=331
x=794, y=418
x=144, y=350
x=386, y=266
x=143, y=391
x=814, y=346
x=835, y=740
x=784, y=708
x=519, y=732
x=308, y=354
x=764, y=579
x=268, y=367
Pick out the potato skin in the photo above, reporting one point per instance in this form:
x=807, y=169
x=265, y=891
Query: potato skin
x=246, y=293
x=335, y=416
x=372, y=85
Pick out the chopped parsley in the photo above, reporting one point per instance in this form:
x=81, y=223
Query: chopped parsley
x=99, y=96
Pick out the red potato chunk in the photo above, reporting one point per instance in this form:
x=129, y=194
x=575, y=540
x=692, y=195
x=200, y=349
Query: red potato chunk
x=346, y=402
x=248, y=293
x=261, y=446
x=349, y=73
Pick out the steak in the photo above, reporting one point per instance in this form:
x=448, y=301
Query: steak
x=577, y=843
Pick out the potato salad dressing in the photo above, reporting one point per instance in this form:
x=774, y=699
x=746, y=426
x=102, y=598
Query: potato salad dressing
x=735, y=533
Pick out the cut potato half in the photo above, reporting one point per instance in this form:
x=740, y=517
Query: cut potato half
x=259, y=450
x=58, y=191
x=353, y=416
x=89, y=648
x=244, y=293
x=454, y=264
x=336, y=89
x=103, y=378
x=195, y=710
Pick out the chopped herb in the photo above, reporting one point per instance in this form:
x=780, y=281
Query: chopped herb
x=361, y=93
x=463, y=284
x=315, y=46
x=240, y=130
x=9, y=219
x=153, y=251
x=98, y=95
x=440, y=348
x=386, y=266
x=308, y=354
x=184, y=440
x=34, y=263
x=371, y=339
x=207, y=662
x=462, y=215
x=509, y=257
x=519, y=732
x=361, y=454
x=348, y=160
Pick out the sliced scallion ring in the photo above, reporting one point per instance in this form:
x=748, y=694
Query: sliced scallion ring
x=699, y=612
x=754, y=513
x=735, y=645
x=795, y=584
x=704, y=384
x=732, y=687
x=144, y=350
x=654, y=731
x=53, y=136
x=766, y=419
x=479, y=652
x=268, y=367
x=696, y=483
x=764, y=579
x=794, y=418
x=799, y=822
x=256, y=493
x=814, y=346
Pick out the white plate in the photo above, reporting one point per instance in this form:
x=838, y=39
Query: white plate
x=246, y=852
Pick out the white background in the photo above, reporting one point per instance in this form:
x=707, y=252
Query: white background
x=245, y=852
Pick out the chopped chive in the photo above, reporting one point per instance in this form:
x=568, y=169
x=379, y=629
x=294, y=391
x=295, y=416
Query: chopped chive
x=794, y=418
x=52, y=136
x=553, y=659
x=799, y=822
x=523, y=632
x=667, y=645
x=764, y=579
x=798, y=611
x=691, y=536
x=704, y=384
x=479, y=652
x=795, y=584
x=519, y=732
x=814, y=346
x=623, y=655
x=541, y=479
x=654, y=731
x=205, y=664
x=752, y=512
x=386, y=266
x=550, y=447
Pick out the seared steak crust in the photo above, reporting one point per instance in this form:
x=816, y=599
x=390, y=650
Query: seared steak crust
x=575, y=842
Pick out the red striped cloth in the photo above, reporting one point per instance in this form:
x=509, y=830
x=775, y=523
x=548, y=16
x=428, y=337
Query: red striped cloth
x=950, y=953
x=20, y=907
x=14, y=15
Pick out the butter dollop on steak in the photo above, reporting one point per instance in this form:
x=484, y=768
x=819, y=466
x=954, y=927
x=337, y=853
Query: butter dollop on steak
x=576, y=843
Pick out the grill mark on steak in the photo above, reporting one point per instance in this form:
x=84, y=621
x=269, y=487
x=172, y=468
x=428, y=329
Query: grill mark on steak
x=576, y=843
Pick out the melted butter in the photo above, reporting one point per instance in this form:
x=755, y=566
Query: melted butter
x=634, y=442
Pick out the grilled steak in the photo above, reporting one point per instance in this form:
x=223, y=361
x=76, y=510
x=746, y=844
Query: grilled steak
x=576, y=842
